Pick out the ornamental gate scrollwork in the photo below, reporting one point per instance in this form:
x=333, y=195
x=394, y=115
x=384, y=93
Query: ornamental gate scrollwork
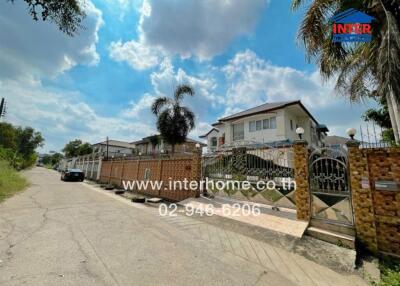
x=329, y=186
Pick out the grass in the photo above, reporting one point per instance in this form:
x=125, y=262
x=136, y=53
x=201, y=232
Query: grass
x=390, y=272
x=11, y=182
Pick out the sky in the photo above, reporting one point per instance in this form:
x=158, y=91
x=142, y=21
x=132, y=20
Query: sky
x=235, y=53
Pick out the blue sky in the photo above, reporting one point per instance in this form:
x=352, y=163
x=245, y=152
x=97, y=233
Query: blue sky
x=235, y=53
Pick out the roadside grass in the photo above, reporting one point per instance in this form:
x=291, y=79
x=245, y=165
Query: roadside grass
x=10, y=181
x=390, y=272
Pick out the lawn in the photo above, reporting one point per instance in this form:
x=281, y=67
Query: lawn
x=11, y=182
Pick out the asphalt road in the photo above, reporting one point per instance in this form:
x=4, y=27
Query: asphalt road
x=60, y=233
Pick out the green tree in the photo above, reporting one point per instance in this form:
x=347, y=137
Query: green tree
x=27, y=141
x=66, y=14
x=357, y=66
x=56, y=158
x=7, y=136
x=76, y=148
x=18, y=145
x=174, y=121
x=85, y=149
x=381, y=117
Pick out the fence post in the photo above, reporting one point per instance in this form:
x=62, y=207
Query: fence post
x=362, y=196
x=196, y=168
x=301, y=177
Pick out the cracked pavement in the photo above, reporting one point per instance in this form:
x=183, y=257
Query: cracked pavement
x=59, y=233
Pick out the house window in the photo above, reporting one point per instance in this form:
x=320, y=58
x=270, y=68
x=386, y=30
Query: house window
x=291, y=124
x=266, y=124
x=269, y=123
x=258, y=125
x=238, y=131
x=213, y=141
x=252, y=126
x=272, y=123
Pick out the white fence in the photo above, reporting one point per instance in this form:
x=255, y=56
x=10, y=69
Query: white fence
x=89, y=164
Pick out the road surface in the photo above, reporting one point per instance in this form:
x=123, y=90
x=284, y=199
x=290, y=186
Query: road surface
x=64, y=233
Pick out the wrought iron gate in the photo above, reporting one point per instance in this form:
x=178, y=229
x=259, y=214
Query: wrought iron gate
x=253, y=164
x=329, y=186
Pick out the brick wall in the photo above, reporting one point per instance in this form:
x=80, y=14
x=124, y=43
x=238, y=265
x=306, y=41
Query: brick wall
x=301, y=177
x=176, y=169
x=376, y=212
x=384, y=164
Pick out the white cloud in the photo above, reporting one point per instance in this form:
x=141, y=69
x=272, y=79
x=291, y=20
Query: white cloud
x=137, y=108
x=138, y=55
x=187, y=28
x=63, y=116
x=251, y=81
x=200, y=28
x=36, y=49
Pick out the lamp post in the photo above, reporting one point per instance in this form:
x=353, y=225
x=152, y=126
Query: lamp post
x=300, y=132
x=351, y=132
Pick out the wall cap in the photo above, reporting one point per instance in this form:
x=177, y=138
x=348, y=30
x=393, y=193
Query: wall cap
x=352, y=143
x=301, y=142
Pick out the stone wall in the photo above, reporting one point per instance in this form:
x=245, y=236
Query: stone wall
x=376, y=212
x=165, y=170
x=301, y=177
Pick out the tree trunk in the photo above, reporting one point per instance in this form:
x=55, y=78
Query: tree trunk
x=173, y=149
x=394, y=113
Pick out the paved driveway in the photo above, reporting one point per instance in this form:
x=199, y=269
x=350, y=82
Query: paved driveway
x=59, y=233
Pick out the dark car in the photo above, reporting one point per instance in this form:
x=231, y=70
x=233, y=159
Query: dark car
x=72, y=175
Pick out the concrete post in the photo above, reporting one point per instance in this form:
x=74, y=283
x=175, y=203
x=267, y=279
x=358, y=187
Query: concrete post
x=196, y=167
x=303, y=205
x=361, y=194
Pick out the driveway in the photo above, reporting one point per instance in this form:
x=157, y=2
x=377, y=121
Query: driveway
x=59, y=233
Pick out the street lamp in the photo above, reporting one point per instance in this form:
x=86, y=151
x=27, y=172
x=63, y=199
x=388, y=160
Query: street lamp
x=351, y=132
x=299, y=131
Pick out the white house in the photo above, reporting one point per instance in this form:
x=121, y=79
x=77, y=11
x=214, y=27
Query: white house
x=271, y=123
x=114, y=148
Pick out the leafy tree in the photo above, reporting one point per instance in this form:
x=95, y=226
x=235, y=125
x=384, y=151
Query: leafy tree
x=357, y=66
x=76, y=148
x=381, y=117
x=56, y=158
x=66, y=14
x=174, y=121
x=28, y=140
x=18, y=145
x=7, y=135
x=85, y=149
x=71, y=149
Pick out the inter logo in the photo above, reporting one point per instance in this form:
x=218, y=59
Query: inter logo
x=352, y=26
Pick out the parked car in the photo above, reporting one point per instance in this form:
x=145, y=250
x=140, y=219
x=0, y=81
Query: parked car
x=72, y=175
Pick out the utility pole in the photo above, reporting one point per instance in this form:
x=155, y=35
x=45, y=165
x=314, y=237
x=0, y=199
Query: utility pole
x=2, y=107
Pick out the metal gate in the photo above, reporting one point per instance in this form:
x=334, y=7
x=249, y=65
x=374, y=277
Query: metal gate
x=255, y=163
x=329, y=186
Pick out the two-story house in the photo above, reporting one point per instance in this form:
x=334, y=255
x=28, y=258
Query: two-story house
x=146, y=147
x=271, y=123
x=113, y=148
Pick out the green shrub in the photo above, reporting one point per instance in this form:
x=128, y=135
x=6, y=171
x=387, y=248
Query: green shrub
x=390, y=273
x=10, y=181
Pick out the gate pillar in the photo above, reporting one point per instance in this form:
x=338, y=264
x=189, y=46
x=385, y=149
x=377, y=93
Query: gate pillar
x=301, y=177
x=362, y=196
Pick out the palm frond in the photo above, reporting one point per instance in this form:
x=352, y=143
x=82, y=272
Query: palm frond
x=181, y=90
x=159, y=103
x=189, y=117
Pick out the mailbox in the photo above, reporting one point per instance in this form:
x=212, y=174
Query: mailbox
x=387, y=186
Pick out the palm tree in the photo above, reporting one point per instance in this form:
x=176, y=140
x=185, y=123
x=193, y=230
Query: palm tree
x=359, y=67
x=154, y=141
x=174, y=121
